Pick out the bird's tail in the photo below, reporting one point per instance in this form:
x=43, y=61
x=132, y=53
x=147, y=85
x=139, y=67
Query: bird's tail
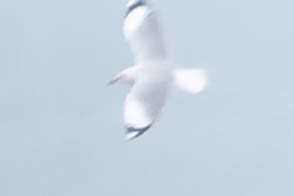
x=190, y=79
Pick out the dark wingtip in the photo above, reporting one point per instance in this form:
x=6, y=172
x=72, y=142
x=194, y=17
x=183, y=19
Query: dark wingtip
x=133, y=132
x=136, y=4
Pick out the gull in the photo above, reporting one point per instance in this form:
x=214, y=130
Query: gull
x=152, y=76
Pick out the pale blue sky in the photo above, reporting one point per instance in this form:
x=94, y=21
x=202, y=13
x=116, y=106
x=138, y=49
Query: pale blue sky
x=61, y=129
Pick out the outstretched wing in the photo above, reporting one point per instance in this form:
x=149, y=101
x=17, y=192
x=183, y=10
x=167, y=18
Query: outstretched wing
x=144, y=35
x=142, y=106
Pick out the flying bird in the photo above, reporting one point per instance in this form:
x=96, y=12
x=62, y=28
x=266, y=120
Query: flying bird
x=152, y=76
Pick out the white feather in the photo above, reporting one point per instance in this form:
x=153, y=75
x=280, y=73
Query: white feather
x=191, y=80
x=152, y=76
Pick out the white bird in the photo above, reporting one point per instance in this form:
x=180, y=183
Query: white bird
x=152, y=76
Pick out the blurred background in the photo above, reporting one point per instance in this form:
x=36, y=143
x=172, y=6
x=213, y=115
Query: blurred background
x=61, y=130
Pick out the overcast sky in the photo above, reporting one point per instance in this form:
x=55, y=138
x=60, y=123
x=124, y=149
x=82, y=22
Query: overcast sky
x=61, y=130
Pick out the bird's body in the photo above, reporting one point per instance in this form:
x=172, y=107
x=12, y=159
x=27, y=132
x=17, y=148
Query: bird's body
x=152, y=76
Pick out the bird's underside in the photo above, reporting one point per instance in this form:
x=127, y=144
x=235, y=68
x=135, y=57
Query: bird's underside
x=152, y=77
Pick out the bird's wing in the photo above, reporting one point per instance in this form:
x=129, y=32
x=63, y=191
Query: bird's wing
x=144, y=35
x=142, y=105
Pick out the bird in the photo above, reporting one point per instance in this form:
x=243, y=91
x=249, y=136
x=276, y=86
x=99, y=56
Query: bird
x=152, y=76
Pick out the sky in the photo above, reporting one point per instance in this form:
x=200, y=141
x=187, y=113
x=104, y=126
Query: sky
x=61, y=129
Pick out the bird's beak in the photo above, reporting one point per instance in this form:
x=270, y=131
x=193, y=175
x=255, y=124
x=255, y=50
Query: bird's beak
x=113, y=81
